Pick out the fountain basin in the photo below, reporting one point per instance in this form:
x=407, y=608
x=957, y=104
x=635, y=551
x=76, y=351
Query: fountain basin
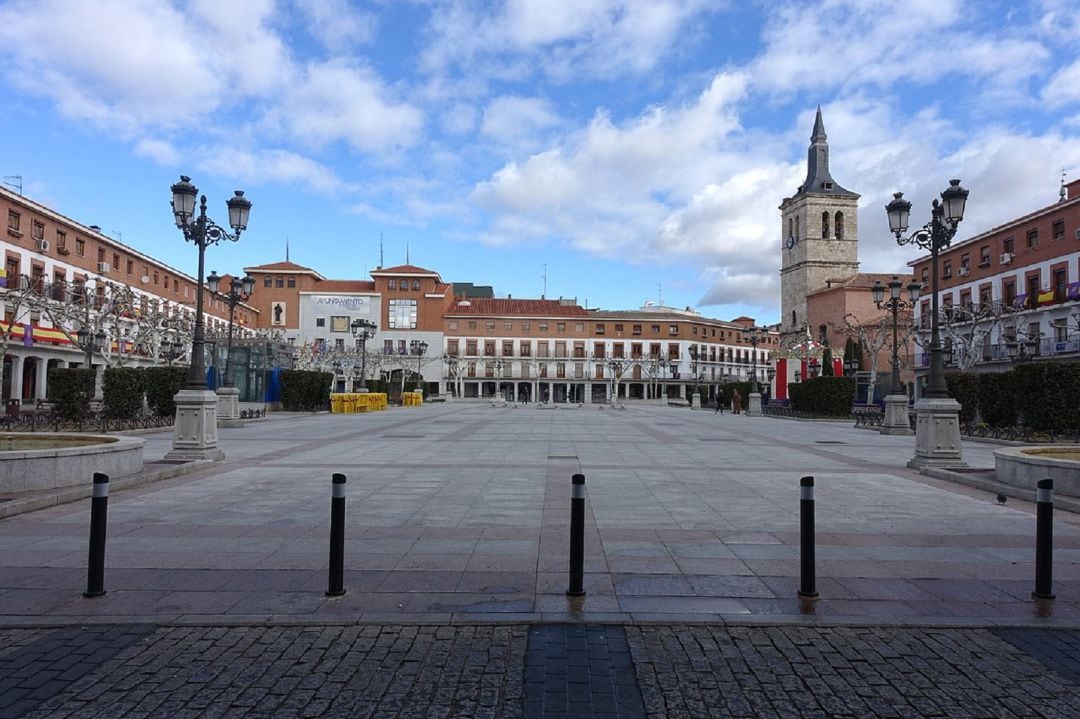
x=1025, y=466
x=49, y=460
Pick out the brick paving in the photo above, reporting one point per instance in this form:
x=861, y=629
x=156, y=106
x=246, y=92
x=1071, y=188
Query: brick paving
x=579, y=671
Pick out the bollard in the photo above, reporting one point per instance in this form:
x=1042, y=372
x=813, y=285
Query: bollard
x=1044, y=540
x=337, y=537
x=807, y=578
x=577, y=536
x=99, y=514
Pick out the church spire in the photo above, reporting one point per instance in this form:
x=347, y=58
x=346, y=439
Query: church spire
x=818, y=178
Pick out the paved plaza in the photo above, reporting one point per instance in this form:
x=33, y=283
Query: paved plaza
x=456, y=557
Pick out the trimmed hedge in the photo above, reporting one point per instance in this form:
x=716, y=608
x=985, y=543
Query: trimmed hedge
x=70, y=391
x=162, y=384
x=122, y=392
x=964, y=388
x=305, y=391
x=823, y=396
x=997, y=406
x=1041, y=396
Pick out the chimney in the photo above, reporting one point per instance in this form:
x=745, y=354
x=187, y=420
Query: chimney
x=96, y=228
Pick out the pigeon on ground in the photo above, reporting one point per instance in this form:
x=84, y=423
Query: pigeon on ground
x=1001, y=498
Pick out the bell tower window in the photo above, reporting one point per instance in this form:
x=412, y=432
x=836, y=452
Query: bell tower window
x=824, y=225
x=839, y=225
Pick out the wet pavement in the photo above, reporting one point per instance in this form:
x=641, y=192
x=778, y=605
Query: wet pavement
x=456, y=569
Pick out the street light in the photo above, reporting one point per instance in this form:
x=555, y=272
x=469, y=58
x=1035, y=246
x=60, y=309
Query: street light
x=1020, y=350
x=755, y=336
x=363, y=330
x=896, y=419
x=194, y=433
x=695, y=400
x=418, y=348
x=239, y=291
x=937, y=436
x=90, y=343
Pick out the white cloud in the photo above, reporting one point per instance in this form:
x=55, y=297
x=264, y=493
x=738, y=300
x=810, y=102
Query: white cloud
x=338, y=100
x=517, y=121
x=1064, y=87
x=159, y=151
x=336, y=24
x=269, y=165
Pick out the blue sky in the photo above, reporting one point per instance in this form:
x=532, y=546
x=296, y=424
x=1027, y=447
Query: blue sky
x=633, y=147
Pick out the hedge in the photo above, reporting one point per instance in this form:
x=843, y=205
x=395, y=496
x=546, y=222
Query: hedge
x=162, y=384
x=305, y=391
x=122, y=392
x=823, y=396
x=70, y=391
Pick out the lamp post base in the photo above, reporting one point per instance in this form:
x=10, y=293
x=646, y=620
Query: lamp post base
x=753, y=404
x=695, y=400
x=195, y=430
x=896, y=416
x=937, y=434
x=228, y=409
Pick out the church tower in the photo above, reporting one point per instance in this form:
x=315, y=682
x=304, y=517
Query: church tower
x=819, y=234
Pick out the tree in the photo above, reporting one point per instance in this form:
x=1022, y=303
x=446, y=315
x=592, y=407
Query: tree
x=966, y=331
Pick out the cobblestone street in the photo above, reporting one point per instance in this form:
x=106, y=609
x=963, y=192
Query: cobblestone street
x=483, y=671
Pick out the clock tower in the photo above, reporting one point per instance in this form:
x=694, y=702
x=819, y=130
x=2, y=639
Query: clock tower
x=819, y=234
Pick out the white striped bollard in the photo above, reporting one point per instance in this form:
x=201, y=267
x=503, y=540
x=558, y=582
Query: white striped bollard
x=1044, y=540
x=577, y=536
x=337, y=537
x=99, y=517
x=807, y=572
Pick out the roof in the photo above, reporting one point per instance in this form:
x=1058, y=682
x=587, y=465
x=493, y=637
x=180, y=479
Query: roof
x=283, y=267
x=818, y=180
x=468, y=289
x=343, y=286
x=507, y=307
x=403, y=270
x=862, y=281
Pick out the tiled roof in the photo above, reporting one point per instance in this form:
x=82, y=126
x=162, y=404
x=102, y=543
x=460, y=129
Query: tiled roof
x=505, y=307
x=404, y=270
x=344, y=286
x=863, y=281
x=282, y=267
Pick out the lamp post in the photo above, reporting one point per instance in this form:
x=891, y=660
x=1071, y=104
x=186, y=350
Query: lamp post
x=1020, y=350
x=363, y=330
x=695, y=399
x=896, y=402
x=770, y=373
x=937, y=427
x=228, y=395
x=90, y=343
x=195, y=430
x=418, y=348
x=755, y=336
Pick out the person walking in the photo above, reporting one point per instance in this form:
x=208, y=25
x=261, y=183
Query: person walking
x=736, y=402
x=719, y=402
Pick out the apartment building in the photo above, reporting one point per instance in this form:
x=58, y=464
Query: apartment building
x=1010, y=294
x=59, y=275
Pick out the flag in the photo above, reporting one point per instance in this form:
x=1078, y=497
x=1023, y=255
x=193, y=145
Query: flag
x=1046, y=298
x=3, y=278
x=28, y=335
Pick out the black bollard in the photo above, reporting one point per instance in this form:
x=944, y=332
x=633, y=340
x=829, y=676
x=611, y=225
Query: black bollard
x=337, y=537
x=99, y=517
x=808, y=577
x=1044, y=540
x=577, y=537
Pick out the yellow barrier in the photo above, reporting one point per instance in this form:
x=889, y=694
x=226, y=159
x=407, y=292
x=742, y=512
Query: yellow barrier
x=412, y=399
x=357, y=402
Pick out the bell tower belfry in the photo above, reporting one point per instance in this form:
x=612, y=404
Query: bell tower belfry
x=818, y=234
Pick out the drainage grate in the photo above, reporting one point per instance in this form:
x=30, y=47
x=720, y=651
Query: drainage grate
x=562, y=456
x=829, y=441
x=716, y=439
x=401, y=436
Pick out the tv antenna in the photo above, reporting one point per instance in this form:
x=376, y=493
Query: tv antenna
x=544, y=275
x=12, y=181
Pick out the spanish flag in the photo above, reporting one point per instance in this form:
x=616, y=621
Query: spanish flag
x=1046, y=298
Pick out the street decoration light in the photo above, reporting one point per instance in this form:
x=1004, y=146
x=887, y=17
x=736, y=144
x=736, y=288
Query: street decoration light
x=363, y=330
x=755, y=336
x=239, y=291
x=937, y=432
x=896, y=419
x=195, y=430
x=1020, y=350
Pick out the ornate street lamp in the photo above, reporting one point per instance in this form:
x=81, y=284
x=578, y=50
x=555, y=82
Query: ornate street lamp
x=363, y=330
x=418, y=348
x=896, y=402
x=90, y=343
x=1020, y=350
x=755, y=336
x=695, y=400
x=937, y=431
x=195, y=430
x=239, y=291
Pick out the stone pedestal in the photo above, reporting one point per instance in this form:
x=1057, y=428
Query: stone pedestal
x=753, y=404
x=937, y=434
x=896, y=416
x=195, y=431
x=695, y=400
x=228, y=409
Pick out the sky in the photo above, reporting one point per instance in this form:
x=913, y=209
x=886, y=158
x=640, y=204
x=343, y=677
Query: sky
x=613, y=151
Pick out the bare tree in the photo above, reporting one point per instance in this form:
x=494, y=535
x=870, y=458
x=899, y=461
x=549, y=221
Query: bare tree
x=966, y=331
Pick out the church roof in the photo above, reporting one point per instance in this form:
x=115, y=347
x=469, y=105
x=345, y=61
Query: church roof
x=818, y=180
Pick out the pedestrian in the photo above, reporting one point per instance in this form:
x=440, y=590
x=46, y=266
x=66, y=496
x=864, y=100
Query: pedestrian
x=736, y=402
x=719, y=402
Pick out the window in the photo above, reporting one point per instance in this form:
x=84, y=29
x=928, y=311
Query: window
x=526, y=326
x=984, y=256
x=1008, y=292
x=1008, y=244
x=618, y=328
x=636, y=329
x=541, y=349
x=452, y=347
x=37, y=230
x=452, y=325
x=1058, y=230
x=508, y=348
x=339, y=324
x=599, y=328
x=472, y=324
x=925, y=276
x=525, y=348
x=388, y=347
x=543, y=326
x=80, y=247
x=560, y=349
x=490, y=326
x=579, y=327
x=617, y=350
x=13, y=221
x=489, y=348
x=320, y=322
x=824, y=224
x=946, y=271
x=560, y=327
x=339, y=344
x=655, y=329
x=156, y=278
x=693, y=330
x=470, y=348
x=116, y=261
x=402, y=314
x=965, y=261
x=416, y=285
x=508, y=326
x=1060, y=283
x=61, y=241
x=391, y=284
x=291, y=282
x=101, y=255
x=279, y=282
x=1032, y=239
x=598, y=350
x=268, y=281
x=839, y=225
x=131, y=267
x=673, y=329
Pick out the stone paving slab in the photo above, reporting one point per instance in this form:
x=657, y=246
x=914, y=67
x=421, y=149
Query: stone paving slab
x=548, y=670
